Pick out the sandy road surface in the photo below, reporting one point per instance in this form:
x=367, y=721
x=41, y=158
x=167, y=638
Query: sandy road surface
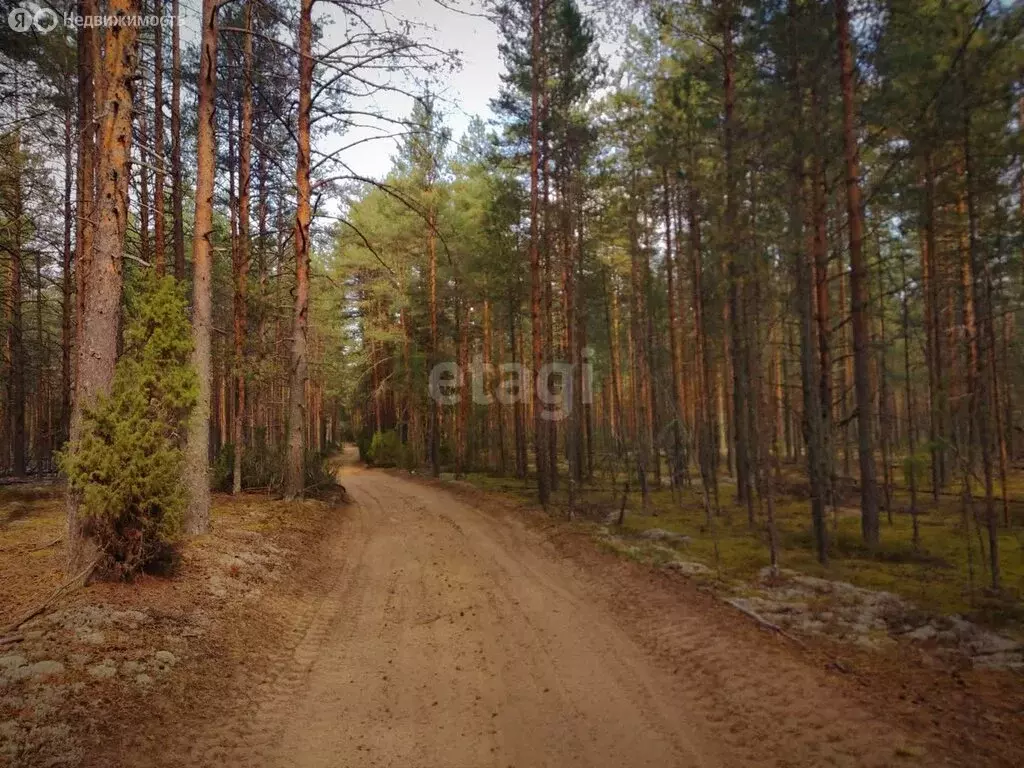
x=452, y=636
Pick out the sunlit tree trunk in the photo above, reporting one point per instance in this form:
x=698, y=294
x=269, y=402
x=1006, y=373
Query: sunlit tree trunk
x=97, y=353
x=299, y=363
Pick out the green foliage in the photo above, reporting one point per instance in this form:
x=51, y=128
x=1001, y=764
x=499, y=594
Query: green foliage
x=223, y=469
x=318, y=477
x=128, y=459
x=914, y=465
x=363, y=439
x=387, y=450
x=263, y=468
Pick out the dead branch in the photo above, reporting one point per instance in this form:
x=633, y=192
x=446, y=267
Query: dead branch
x=764, y=623
x=63, y=589
x=48, y=544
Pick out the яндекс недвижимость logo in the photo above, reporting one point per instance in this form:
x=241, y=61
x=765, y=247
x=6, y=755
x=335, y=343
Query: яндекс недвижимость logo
x=29, y=17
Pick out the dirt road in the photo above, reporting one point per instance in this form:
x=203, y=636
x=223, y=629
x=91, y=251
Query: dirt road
x=450, y=635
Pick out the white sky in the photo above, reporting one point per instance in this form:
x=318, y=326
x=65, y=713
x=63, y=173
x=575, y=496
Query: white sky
x=461, y=95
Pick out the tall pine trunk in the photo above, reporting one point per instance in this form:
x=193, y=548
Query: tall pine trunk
x=177, y=216
x=737, y=310
x=812, y=427
x=15, y=330
x=435, y=416
x=858, y=286
x=97, y=353
x=536, y=326
x=67, y=286
x=159, y=236
x=197, y=454
x=241, y=251
x=293, y=486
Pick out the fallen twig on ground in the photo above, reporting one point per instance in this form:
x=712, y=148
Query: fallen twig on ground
x=67, y=586
x=763, y=622
x=48, y=544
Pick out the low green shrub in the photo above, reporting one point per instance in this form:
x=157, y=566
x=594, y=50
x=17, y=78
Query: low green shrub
x=126, y=464
x=223, y=469
x=363, y=440
x=318, y=477
x=387, y=450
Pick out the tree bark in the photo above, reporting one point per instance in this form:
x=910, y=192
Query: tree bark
x=536, y=326
x=462, y=431
x=197, y=457
x=177, y=217
x=977, y=328
x=819, y=247
x=435, y=416
x=15, y=331
x=737, y=310
x=912, y=478
x=241, y=252
x=858, y=286
x=640, y=378
x=812, y=428
x=97, y=353
x=934, y=355
x=67, y=262
x=159, y=236
x=86, y=177
x=303, y=216
x=143, y=168
x=706, y=458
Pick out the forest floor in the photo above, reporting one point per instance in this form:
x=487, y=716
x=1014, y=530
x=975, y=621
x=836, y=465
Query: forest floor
x=431, y=623
x=100, y=669
x=946, y=574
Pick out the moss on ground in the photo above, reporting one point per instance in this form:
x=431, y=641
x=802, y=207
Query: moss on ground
x=937, y=575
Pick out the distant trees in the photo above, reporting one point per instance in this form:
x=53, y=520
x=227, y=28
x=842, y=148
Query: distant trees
x=736, y=276
x=750, y=292
x=78, y=273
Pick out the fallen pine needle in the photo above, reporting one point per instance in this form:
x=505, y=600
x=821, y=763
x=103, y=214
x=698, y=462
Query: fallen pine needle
x=67, y=586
